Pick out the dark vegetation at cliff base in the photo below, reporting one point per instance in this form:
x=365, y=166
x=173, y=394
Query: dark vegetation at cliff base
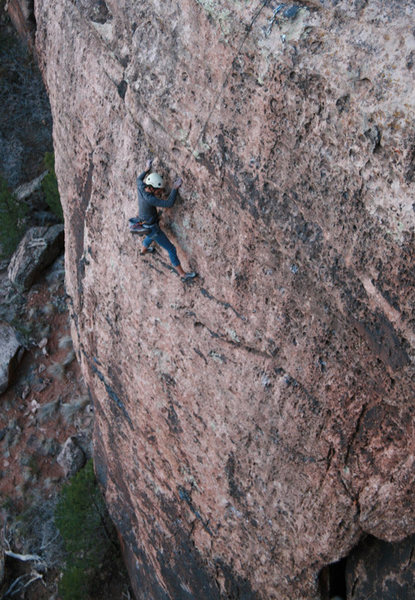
x=94, y=567
x=70, y=544
x=12, y=224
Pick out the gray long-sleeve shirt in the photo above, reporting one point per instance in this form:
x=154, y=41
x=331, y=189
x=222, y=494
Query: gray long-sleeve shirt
x=148, y=203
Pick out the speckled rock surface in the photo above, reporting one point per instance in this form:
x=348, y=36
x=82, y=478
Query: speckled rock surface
x=71, y=458
x=252, y=424
x=9, y=351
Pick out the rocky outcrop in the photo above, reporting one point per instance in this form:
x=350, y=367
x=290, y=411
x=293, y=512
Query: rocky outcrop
x=37, y=250
x=251, y=425
x=25, y=190
x=71, y=458
x=10, y=349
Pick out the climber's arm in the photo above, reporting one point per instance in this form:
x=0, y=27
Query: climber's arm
x=140, y=178
x=163, y=203
x=171, y=199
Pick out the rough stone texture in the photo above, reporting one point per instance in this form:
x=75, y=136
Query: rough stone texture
x=71, y=458
x=37, y=250
x=251, y=425
x=381, y=570
x=26, y=189
x=9, y=354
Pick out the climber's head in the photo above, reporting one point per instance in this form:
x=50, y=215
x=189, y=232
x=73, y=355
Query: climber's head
x=154, y=181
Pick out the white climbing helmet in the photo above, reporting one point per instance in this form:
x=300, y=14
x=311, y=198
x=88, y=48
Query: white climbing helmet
x=155, y=180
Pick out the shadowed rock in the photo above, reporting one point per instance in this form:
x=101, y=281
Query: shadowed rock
x=9, y=354
x=71, y=458
x=37, y=250
x=378, y=569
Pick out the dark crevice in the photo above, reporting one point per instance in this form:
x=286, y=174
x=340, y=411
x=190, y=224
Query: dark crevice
x=333, y=580
x=337, y=578
x=206, y=294
x=122, y=89
x=374, y=568
x=31, y=14
x=356, y=431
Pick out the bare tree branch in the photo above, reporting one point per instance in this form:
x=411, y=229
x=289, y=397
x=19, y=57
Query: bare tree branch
x=23, y=557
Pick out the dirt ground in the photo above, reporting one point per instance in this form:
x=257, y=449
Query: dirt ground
x=46, y=404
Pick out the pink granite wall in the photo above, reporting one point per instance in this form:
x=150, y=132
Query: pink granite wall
x=253, y=424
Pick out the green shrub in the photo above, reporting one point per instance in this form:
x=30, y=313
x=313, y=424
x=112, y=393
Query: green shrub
x=85, y=527
x=12, y=213
x=74, y=583
x=50, y=186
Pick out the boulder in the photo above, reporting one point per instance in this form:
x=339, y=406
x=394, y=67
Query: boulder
x=71, y=458
x=253, y=422
x=25, y=190
x=9, y=354
x=37, y=250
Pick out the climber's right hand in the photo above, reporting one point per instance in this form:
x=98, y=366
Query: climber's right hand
x=148, y=164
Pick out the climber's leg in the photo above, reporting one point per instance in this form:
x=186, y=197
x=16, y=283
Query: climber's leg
x=146, y=244
x=162, y=239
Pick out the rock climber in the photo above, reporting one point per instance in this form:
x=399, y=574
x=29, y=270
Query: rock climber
x=150, y=196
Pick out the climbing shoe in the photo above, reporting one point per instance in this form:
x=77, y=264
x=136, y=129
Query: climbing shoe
x=188, y=276
x=148, y=251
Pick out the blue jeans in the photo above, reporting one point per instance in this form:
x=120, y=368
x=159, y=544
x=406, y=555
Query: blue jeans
x=157, y=235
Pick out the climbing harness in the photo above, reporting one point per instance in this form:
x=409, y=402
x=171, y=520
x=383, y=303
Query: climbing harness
x=141, y=227
x=137, y=226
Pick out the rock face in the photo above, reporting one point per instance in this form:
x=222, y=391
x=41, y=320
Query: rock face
x=37, y=250
x=9, y=354
x=251, y=425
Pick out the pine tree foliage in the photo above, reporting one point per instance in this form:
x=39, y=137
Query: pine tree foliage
x=12, y=213
x=84, y=524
